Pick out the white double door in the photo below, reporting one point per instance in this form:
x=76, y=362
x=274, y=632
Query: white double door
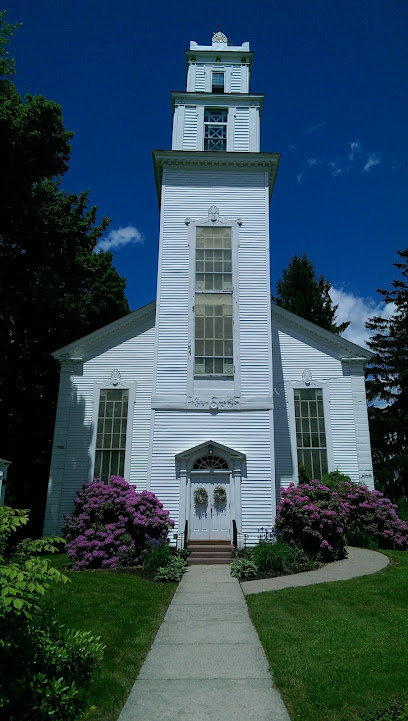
x=210, y=519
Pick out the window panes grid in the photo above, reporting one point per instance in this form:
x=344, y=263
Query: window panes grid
x=213, y=259
x=310, y=430
x=215, y=129
x=111, y=434
x=217, y=82
x=213, y=302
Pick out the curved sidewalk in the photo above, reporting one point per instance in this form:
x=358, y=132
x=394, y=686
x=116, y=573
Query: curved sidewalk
x=360, y=562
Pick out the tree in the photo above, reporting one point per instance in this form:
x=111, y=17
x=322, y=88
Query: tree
x=55, y=287
x=302, y=292
x=387, y=386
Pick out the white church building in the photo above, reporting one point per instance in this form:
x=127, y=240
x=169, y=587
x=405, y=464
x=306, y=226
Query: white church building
x=210, y=388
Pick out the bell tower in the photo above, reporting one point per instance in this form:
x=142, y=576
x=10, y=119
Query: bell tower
x=213, y=355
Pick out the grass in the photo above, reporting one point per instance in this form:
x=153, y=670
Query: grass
x=125, y=611
x=338, y=650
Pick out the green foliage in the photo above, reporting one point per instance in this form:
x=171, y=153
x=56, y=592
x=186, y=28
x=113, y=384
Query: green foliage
x=45, y=667
x=173, y=571
x=243, y=568
x=302, y=292
x=387, y=389
x=156, y=557
x=55, y=288
x=303, y=475
x=336, y=481
x=280, y=558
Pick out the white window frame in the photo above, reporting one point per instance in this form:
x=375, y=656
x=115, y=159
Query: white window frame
x=225, y=125
x=219, y=382
x=291, y=386
x=131, y=387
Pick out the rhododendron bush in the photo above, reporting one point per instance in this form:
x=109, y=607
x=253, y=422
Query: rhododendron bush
x=371, y=513
x=312, y=516
x=317, y=518
x=112, y=524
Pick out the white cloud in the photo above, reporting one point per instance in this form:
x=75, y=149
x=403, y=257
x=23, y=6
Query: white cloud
x=358, y=310
x=311, y=162
x=335, y=170
x=120, y=237
x=317, y=126
x=299, y=177
x=355, y=149
x=372, y=160
x=292, y=147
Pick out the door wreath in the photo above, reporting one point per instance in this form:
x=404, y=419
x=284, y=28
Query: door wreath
x=200, y=495
x=220, y=494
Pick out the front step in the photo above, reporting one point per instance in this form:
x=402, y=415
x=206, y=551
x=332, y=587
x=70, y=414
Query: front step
x=203, y=552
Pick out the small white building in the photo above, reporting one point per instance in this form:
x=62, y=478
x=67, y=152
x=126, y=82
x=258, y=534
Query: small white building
x=210, y=386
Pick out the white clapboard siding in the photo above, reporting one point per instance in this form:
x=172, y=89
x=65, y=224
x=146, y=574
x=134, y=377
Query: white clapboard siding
x=236, y=82
x=199, y=79
x=241, y=129
x=248, y=432
x=236, y=194
x=130, y=352
x=295, y=350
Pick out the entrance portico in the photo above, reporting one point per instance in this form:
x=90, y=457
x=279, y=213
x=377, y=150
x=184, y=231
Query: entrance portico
x=210, y=490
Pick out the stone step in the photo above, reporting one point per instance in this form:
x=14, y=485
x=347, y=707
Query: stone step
x=208, y=542
x=203, y=560
x=209, y=548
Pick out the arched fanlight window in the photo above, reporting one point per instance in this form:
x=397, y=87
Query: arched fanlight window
x=210, y=463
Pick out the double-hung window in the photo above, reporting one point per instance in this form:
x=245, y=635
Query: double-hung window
x=215, y=129
x=310, y=431
x=111, y=434
x=218, y=82
x=213, y=302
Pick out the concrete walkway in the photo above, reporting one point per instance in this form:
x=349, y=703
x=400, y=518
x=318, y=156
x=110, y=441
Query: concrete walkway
x=206, y=662
x=360, y=562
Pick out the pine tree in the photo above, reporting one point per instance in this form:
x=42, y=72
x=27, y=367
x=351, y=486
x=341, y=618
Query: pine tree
x=302, y=292
x=54, y=286
x=387, y=386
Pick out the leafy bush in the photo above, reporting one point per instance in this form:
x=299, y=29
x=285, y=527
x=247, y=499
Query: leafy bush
x=173, y=571
x=243, y=568
x=370, y=513
x=45, y=668
x=112, y=524
x=313, y=517
x=156, y=557
x=397, y=711
x=280, y=558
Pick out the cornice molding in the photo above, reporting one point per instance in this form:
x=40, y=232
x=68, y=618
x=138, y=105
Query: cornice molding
x=204, y=159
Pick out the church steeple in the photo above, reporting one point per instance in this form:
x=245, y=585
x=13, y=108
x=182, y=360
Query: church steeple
x=217, y=113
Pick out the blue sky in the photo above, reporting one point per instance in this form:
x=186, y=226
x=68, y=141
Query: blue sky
x=335, y=83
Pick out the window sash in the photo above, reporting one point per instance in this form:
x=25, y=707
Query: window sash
x=218, y=82
x=215, y=129
x=213, y=303
x=111, y=433
x=310, y=431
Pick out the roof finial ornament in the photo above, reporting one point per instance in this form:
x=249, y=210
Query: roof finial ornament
x=219, y=37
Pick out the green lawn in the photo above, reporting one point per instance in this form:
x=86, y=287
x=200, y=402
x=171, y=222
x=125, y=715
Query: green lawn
x=126, y=611
x=337, y=650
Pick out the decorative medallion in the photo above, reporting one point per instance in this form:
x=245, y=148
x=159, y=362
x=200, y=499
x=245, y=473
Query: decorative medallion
x=200, y=495
x=307, y=376
x=220, y=494
x=115, y=377
x=213, y=213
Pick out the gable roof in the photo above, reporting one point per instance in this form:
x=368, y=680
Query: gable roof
x=77, y=348
x=349, y=350
x=345, y=348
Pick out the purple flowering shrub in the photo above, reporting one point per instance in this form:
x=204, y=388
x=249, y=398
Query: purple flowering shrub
x=313, y=517
x=112, y=524
x=371, y=513
x=318, y=518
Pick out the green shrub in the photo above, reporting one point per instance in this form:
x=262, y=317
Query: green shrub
x=280, y=558
x=397, y=711
x=336, y=481
x=173, y=571
x=156, y=557
x=243, y=568
x=241, y=553
x=45, y=668
x=360, y=539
